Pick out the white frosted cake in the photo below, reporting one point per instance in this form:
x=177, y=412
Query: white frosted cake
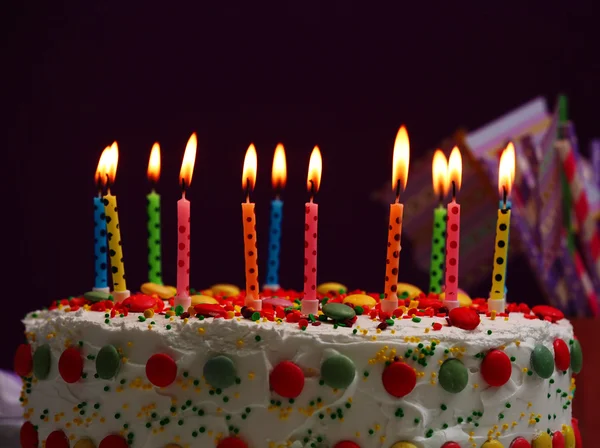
x=98, y=374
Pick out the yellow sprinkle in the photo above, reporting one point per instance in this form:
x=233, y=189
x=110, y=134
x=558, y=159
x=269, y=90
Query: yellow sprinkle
x=129, y=344
x=201, y=330
x=393, y=331
x=240, y=343
x=529, y=404
x=357, y=434
x=517, y=343
x=493, y=314
x=382, y=439
x=373, y=338
x=475, y=386
x=377, y=427
x=149, y=313
x=250, y=375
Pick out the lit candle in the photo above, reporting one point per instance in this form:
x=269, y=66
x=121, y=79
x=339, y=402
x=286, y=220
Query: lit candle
x=100, y=250
x=249, y=225
x=453, y=231
x=182, y=297
x=506, y=176
x=438, y=242
x=278, y=178
x=310, y=303
x=153, y=209
x=115, y=247
x=400, y=163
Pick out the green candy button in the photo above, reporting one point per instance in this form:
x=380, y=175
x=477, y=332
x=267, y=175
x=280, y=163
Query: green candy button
x=220, y=372
x=41, y=361
x=338, y=311
x=453, y=376
x=108, y=362
x=542, y=361
x=338, y=371
x=97, y=296
x=576, y=356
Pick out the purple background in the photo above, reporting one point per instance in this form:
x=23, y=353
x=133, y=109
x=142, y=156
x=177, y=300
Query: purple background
x=303, y=73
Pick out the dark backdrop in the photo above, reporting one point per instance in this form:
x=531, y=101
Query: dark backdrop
x=337, y=74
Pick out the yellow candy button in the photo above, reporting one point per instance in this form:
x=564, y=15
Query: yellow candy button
x=164, y=292
x=225, y=289
x=492, y=444
x=198, y=299
x=403, y=445
x=542, y=440
x=569, y=436
x=463, y=298
x=411, y=290
x=84, y=443
x=360, y=300
x=326, y=288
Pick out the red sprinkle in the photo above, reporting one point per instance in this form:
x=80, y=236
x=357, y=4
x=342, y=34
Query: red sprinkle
x=562, y=356
x=399, y=379
x=29, y=436
x=23, y=361
x=398, y=312
x=303, y=323
x=287, y=379
x=496, y=368
x=437, y=326
x=113, y=441
x=70, y=365
x=464, y=318
x=161, y=370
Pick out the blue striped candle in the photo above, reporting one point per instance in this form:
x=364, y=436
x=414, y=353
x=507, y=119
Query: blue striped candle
x=274, y=244
x=100, y=251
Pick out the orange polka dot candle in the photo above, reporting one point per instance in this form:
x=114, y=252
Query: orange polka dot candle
x=506, y=175
x=182, y=297
x=453, y=231
x=115, y=246
x=249, y=224
x=400, y=163
x=310, y=303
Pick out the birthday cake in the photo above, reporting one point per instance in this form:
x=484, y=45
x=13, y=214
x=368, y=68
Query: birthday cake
x=143, y=373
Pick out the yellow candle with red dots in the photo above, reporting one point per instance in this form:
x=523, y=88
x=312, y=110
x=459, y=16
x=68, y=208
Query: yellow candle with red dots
x=506, y=173
x=400, y=163
x=453, y=231
x=249, y=225
x=182, y=297
x=115, y=246
x=310, y=303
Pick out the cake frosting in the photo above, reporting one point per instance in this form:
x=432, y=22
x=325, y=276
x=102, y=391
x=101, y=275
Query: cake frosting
x=158, y=379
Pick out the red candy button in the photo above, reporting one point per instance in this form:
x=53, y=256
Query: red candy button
x=113, y=441
x=464, y=318
x=70, y=365
x=575, y=425
x=23, y=360
x=161, y=370
x=558, y=440
x=28, y=436
x=232, y=442
x=57, y=439
x=399, y=379
x=210, y=310
x=496, y=368
x=543, y=311
x=287, y=379
x=520, y=442
x=138, y=303
x=346, y=444
x=450, y=445
x=562, y=356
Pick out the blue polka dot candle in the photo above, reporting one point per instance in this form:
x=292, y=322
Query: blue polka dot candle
x=438, y=239
x=453, y=232
x=278, y=179
x=506, y=175
x=100, y=249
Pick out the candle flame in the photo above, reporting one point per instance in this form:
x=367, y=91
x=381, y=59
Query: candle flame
x=506, y=171
x=111, y=162
x=400, y=159
x=100, y=176
x=154, y=164
x=187, y=165
x=279, y=172
x=315, y=167
x=439, y=171
x=455, y=169
x=249, y=170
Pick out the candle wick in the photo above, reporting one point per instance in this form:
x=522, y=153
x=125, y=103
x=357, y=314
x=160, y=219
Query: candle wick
x=453, y=190
x=504, y=196
x=312, y=190
x=247, y=188
x=183, y=186
x=397, y=191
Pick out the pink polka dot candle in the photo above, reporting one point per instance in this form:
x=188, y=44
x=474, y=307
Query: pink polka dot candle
x=182, y=298
x=400, y=163
x=310, y=303
x=249, y=224
x=453, y=231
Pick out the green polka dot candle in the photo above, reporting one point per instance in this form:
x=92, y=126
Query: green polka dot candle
x=505, y=179
x=438, y=240
x=153, y=211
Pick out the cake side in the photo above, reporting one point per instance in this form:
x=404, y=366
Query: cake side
x=274, y=383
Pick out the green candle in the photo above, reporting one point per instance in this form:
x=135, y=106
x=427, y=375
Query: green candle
x=439, y=171
x=153, y=209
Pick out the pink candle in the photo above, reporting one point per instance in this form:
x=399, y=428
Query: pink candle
x=453, y=232
x=182, y=297
x=310, y=303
